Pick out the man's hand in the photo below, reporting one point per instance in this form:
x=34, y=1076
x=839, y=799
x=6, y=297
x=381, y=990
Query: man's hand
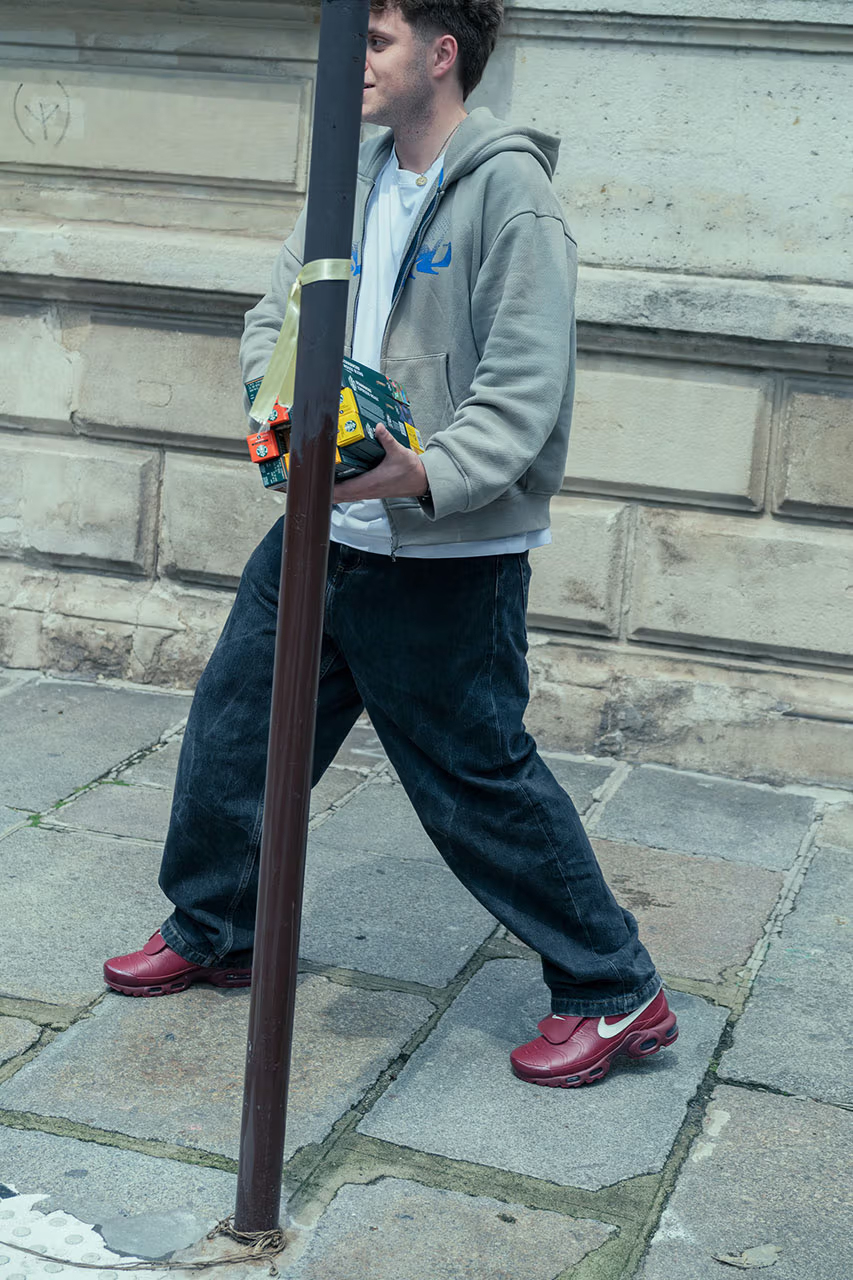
x=400, y=474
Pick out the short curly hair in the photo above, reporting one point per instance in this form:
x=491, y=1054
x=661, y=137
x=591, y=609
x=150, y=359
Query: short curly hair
x=474, y=24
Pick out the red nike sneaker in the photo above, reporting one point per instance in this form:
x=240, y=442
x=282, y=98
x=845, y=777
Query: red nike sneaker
x=574, y=1051
x=156, y=970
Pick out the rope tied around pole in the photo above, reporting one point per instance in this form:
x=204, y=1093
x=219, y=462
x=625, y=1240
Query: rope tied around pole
x=263, y=1246
x=278, y=381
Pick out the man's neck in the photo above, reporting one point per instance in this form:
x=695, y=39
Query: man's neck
x=420, y=146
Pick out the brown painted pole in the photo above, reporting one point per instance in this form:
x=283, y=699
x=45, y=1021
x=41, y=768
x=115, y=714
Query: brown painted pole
x=331, y=198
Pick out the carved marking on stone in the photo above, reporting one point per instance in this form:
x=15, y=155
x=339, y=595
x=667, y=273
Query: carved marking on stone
x=42, y=117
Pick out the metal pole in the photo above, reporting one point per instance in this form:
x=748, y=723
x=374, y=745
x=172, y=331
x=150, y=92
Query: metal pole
x=331, y=198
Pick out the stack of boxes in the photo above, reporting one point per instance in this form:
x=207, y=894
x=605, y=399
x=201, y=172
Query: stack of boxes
x=368, y=400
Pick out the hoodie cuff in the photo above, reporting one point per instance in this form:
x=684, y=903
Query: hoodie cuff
x=448, y=487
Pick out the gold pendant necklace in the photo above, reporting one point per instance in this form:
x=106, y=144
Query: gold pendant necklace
x=421, y=179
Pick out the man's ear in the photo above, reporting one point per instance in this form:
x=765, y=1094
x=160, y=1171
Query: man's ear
x=445, y=54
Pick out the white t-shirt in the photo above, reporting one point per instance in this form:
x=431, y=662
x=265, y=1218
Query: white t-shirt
x=392, y=211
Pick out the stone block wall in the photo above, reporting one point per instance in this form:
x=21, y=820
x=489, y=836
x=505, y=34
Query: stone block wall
x=696, y=606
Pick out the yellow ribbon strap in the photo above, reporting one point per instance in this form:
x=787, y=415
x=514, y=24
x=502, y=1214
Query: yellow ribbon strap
x=280, y=374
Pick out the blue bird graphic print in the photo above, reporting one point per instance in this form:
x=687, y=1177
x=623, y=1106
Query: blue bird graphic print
x=427, y=261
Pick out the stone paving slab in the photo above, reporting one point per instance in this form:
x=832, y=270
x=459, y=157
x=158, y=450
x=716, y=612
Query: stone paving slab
x=794, y=1032
x=581, y=778
x=332, y=787
x=360, y=752
x=172, y=1069
x=379, y=897
x=157, y=769
x=837, y=826
x=143, y=812
x=698, y=916
x=11, y=818
x=16, y=1036
x=67, y=733
x=142, y=1205
x=380, y=819
x=11, y=679
x=79, y=899
x=457, y=1096
x=399, y=1230
x=692, y=814
x=767, y=1170
x=361, y=749
x=140, y=813
x=402, y=918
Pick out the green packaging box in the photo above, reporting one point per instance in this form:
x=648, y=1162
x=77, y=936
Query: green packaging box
x=368, y=399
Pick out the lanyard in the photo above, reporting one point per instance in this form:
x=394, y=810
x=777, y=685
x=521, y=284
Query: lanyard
x=279, y=378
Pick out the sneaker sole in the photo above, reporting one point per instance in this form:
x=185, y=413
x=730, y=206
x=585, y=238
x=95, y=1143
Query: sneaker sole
x=220, y=978
x=642, y=1043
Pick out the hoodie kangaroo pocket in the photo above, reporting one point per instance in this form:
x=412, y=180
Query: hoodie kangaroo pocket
x=424, y=380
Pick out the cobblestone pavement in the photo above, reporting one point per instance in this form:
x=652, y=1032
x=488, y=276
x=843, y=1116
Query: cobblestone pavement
x=412, y=1152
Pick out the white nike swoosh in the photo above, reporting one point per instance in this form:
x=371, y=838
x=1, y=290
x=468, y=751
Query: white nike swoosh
x=608, y=1030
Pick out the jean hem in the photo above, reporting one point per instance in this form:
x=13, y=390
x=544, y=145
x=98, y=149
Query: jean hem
x=176, y=941
x=570, y=1007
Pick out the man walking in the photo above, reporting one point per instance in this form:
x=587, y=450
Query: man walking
x=464, y=274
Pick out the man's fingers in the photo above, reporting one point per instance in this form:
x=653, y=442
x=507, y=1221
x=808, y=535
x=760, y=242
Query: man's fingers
x=400, y=474
x=389, y=444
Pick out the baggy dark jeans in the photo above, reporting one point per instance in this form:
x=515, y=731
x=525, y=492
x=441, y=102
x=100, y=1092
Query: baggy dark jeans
x=435, y=651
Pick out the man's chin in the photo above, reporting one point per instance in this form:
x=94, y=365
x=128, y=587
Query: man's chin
x=372, y=110
x=373, y=116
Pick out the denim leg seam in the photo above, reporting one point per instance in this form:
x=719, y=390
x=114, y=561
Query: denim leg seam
x=245, y=878
x=513, y=783
x=265, y=604
x=497, y=720
x=324, y=669
x=257, y=831
x=495, y=717
x=529, y=801
x=532, y=807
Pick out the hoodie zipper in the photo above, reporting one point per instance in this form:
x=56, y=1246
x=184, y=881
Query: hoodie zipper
x=408, y=259
x=394, y=536
x=361, y=264
x=411, y=255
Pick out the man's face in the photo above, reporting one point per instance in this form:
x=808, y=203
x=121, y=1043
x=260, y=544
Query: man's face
x=398, y=89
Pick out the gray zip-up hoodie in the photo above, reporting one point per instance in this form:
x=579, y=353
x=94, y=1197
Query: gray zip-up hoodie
x=481, y=333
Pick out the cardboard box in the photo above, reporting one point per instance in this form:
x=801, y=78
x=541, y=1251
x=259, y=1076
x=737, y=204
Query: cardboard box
x=367, y=400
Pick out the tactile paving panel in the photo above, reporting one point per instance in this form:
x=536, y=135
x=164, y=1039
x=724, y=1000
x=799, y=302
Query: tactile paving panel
x=57, y=1234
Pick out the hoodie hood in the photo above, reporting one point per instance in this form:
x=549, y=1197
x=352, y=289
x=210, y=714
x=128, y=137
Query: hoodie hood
x=480, y=136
